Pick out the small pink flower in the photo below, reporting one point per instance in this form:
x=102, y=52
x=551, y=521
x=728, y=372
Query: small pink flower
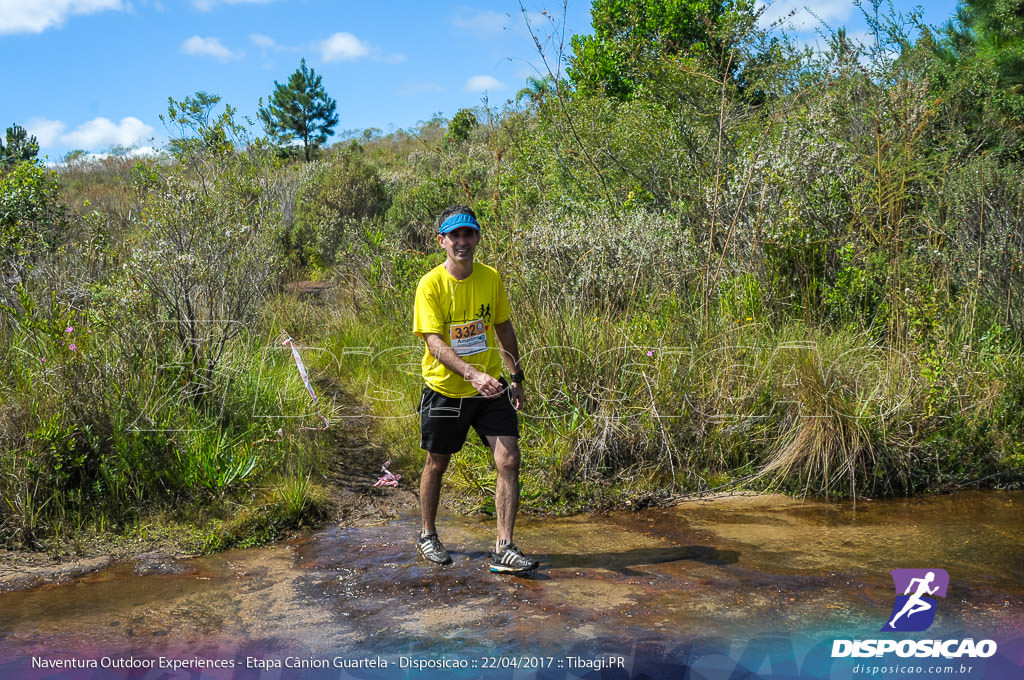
x=69, y=329
x=73, y=347
x=42, y=360
x=650, y=353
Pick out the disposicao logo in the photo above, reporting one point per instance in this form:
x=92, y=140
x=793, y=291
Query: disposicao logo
x=914, y=610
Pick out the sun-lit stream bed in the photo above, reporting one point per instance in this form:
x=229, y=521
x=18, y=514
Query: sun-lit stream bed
x=759, y=586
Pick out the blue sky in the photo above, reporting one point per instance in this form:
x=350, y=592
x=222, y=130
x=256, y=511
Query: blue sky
x=92, y=74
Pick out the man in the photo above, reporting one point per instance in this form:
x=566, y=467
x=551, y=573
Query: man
x=462, y=314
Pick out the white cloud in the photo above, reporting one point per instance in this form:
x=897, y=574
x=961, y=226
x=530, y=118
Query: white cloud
x=347, y=47
x=46, y=132
x=140, y=151
x=538, y=18
x=487, y=21
x=98, y=133
x=861, y=38
x=264, y=41
x=101, y=132
x=343, y=47
x=209, y=47
x=35, y=16
x=483, y=84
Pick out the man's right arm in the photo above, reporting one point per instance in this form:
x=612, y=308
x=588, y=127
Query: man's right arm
x=442, y=351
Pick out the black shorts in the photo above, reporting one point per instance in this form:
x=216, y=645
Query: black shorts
x=445, y=421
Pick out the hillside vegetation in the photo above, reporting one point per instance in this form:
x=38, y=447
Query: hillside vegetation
x=730, y=261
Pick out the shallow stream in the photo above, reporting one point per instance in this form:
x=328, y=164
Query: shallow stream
x=732, y=587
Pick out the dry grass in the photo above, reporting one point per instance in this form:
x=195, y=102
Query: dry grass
x=841, y=400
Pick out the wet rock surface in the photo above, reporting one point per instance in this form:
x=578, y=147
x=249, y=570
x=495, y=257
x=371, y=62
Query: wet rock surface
x=725, y=569
x=34, y=570
x=159, y=563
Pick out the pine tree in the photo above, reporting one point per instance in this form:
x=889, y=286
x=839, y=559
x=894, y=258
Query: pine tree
x=997, y=29
x=300, y=110
x=21, y=146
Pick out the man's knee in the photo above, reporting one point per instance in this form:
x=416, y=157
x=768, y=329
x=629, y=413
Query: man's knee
x=436, y=464
x=506, y=454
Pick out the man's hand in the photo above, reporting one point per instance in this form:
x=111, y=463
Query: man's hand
x=515, y=391
x=506, y=335
x=485, y=384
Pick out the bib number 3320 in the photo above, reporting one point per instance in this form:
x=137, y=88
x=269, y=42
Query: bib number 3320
x=469, y=338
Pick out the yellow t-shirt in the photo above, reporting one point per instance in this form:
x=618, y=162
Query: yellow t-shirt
x=463, y=313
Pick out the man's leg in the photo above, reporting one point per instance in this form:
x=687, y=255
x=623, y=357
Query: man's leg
x=506, y=488
x=429, y=544
x=430, y=489
x=507, y=558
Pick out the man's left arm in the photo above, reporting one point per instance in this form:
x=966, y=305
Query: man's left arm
x=509, y=344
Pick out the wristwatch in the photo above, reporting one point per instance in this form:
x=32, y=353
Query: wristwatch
x=518, y=377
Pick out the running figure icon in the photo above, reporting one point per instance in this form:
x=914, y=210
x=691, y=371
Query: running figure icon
x=914, y=609
x=916, y=603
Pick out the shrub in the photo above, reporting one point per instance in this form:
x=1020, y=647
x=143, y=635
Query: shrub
x=602, y=261
x=32, y=218
x=333, y=202
x=204, y=258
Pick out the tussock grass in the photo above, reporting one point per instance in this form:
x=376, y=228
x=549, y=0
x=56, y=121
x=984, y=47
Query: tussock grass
x=843, y=403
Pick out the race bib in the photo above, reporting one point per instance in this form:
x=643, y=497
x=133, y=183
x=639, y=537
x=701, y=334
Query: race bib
x=469, y=338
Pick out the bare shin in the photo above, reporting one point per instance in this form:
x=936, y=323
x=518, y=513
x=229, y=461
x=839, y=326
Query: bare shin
x=506, y=489
x=430, y=489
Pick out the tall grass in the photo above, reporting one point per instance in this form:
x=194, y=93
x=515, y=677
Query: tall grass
x=100, y=428
x=808, y=281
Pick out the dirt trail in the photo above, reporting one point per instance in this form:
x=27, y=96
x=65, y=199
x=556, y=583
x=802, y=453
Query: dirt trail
x=353, y=472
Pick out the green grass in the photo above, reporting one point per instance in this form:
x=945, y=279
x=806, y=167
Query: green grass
x=97, y=436
x=777, y=292
x=638, y=403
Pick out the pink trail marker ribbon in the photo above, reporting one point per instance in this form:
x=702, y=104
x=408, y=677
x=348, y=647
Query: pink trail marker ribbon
x=388, y=478
x=305, y=380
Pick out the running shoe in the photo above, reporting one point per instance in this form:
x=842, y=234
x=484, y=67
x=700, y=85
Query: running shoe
x=511, y=560
x=432, y=550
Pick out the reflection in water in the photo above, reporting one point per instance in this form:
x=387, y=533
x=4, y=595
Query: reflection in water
x=628, y=561
x=706, y=571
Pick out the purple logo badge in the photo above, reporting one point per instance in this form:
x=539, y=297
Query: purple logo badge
x=914, y=609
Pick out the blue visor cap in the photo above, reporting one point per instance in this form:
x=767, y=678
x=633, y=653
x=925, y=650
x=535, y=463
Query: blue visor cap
x=456, y=221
